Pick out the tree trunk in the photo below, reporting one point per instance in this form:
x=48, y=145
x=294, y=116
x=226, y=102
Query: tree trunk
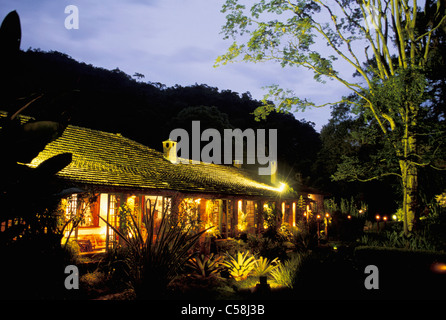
x=410, y=192
x=409, y=173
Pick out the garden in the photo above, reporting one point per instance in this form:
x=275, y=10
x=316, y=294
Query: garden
x=316, y=259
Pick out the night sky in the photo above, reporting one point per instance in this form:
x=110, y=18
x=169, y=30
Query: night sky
x=168, y=41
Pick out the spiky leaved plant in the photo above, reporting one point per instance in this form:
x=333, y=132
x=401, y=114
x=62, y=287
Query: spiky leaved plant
x=241, y=265
x=263, y=266
x=205, y=265
x=156, y=251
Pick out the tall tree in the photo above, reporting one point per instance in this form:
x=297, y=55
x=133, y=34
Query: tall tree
x=399, y=38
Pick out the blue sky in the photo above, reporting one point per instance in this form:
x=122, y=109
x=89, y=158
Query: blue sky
x=168, y=41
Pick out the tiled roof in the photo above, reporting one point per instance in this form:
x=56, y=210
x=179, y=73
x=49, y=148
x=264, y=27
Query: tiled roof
x=107, y=159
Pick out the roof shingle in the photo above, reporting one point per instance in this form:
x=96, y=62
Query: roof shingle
x=102, y=158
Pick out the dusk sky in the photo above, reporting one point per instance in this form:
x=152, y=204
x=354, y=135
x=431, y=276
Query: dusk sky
x=168, y=41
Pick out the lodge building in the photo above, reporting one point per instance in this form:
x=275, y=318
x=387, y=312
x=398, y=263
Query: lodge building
x=116, y=171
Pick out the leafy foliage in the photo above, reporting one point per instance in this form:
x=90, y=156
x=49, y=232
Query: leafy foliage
x=157, y=252
x=395, y=239
x=270, y=245
x=31, y=233
x=241, y=265
x=390, y=88
x=286, y=272
x=205, y=265
x=264, y=266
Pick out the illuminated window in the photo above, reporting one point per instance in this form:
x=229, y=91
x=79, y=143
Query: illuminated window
x=88, y=220
x=71, y=208
x=294, y=214
x=283, y=211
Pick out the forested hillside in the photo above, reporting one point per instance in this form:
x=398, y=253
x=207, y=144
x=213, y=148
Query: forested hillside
x=112, y=101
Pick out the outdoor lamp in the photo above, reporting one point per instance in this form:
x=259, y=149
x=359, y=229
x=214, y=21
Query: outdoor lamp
x=281, y=187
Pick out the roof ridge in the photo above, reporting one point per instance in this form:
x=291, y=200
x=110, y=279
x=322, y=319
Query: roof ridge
x=105, y=158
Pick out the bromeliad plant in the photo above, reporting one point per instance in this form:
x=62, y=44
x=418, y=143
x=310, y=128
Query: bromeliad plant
x=263, y=266
x=205, y=266
x=156, y=251
x=241, y=265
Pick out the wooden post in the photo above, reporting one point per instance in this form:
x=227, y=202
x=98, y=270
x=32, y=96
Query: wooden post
x=107, y=227
x=220, y=215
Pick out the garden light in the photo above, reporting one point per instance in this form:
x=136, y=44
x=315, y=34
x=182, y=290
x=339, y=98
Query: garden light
x=281, y=187
x=438, y=267
x=377, y=221
x=349, y=217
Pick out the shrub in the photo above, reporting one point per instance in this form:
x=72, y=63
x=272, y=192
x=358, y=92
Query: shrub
x=285, y=273
x=91, y=281
x=156, y=254
x=286, y=231
x=205, y=265
x=394, y=239
x=302, y=238
x=232, y=246
x=240, y=266
x=264, y=266
x=267, y=247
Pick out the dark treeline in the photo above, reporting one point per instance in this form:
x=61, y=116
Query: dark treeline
x=113, y=101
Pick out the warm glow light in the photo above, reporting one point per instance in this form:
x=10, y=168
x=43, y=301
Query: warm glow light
x=242, y=224
x=131, y=202
x=394, y=217
x=438, y=267
x=318, y=216
x=377, y=217
x=281, y=187
x=349, y=217
x=197, y=201
x=385, y=218
x=294, y=214
x=327, y=215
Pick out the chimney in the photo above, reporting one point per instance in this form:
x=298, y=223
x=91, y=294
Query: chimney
x=170, y=150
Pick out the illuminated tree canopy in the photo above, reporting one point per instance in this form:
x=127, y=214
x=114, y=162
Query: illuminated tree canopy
x=389, y=44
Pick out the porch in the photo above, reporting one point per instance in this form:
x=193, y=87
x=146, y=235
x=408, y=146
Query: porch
x=94, y=216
